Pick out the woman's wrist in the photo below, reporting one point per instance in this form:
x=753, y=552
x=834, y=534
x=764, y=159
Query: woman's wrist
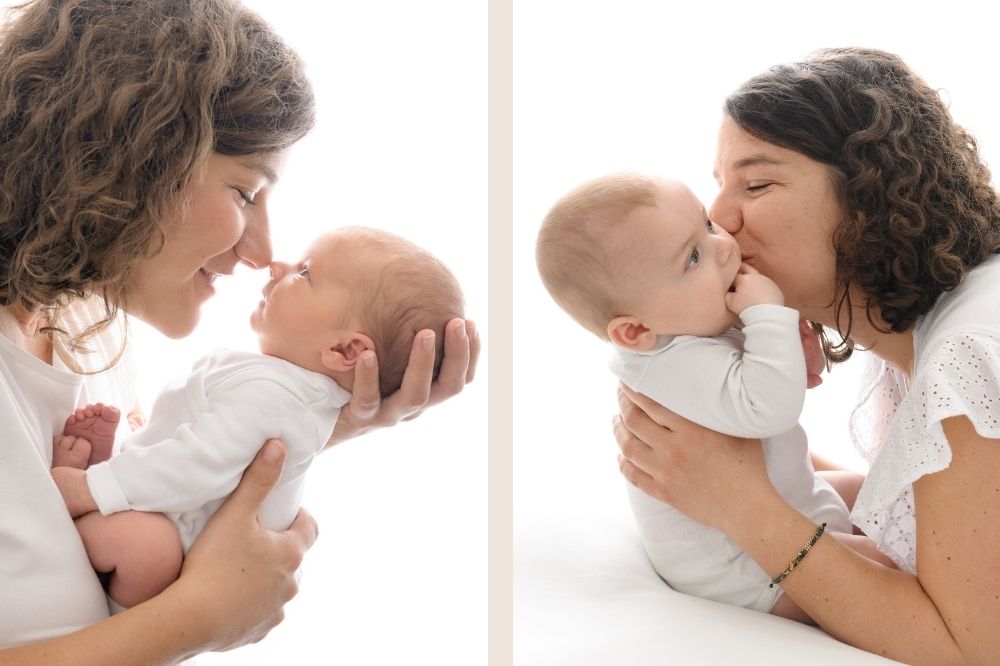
x=756, y=517
x=770, y=530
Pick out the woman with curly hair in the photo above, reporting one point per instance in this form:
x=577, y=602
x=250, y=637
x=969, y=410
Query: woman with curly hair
x=845, y=180
x=140, y=141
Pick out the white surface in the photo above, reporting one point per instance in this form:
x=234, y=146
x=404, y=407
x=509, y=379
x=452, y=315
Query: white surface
x=637, y=85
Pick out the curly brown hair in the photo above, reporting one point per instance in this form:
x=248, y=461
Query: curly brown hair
x=920, y=209
x=107, y=109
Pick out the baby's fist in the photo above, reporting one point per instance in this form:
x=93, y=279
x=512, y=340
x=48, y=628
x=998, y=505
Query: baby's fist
x=751, y=288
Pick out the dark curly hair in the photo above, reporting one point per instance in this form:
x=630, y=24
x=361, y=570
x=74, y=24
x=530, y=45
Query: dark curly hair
x=107, y=109
x=920, y=209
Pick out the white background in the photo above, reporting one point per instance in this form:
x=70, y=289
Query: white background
x=399, y=572
x=398, y=575
x=601, y=87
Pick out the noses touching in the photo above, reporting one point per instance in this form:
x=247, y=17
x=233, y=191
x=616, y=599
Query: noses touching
x=278, y=270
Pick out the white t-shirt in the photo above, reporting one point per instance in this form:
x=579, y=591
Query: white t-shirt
x=47, y=586
x=897, y=424
x=203, y=431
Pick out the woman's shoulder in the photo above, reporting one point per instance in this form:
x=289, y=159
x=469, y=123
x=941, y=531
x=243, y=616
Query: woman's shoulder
x=971, y=309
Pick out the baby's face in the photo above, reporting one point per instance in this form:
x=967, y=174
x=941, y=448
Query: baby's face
x=681, y=264
x=304, y=302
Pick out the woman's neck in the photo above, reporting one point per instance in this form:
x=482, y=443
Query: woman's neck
x=896, y=349
x=24, y=327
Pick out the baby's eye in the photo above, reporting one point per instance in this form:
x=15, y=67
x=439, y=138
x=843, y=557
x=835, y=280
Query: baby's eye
x=694, y=258
x=711, y=227
x=303, y=271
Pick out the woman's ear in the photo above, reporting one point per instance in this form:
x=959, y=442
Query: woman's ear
x=629, y=333
x=342, y=354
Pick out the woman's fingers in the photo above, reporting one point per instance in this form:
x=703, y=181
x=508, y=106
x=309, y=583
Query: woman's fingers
x=636, y=476
x=655, y=412
x=474, y=347
x=458, y=362
x=415, y=390
x=418, y=390
x=815, y=360
x=304, y=530
x=365, y=396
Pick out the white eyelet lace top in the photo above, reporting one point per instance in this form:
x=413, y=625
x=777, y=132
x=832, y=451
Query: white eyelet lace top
x=896, y=425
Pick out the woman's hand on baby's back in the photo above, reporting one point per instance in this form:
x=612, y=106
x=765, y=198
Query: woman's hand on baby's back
x=684, y=464
x=240, y=573
x=368, y=411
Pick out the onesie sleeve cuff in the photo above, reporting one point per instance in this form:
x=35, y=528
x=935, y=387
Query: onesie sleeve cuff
x=104, y=487
x=770, y=312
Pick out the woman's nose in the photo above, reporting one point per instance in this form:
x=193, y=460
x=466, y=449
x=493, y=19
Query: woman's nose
x=725, y=213
x=254, y=246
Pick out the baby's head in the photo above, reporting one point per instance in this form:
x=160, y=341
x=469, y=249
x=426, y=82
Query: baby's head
x=631, y=258
x=356, y=289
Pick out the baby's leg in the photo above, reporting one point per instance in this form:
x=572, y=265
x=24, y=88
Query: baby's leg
x=846, y=483
x=141, y=552
x=97, y=424
x=860, y=544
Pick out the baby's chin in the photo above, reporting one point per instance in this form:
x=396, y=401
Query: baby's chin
x=255, y=318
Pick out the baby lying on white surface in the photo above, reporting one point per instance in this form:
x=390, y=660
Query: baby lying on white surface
x=585, y=593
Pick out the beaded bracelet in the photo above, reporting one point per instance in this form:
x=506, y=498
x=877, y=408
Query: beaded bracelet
x=798, y=556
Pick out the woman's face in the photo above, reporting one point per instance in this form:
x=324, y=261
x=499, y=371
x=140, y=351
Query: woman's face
x=781, y=207
x=226, y=223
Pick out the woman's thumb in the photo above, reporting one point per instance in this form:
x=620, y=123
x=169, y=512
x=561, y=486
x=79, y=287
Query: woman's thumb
x=261, y=475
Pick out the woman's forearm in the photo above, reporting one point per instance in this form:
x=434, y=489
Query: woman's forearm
x=875, y=608
x=161, y=631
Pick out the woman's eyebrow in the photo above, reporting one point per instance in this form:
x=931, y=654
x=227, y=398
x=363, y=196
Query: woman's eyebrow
x=262, y=168
x=753, y=160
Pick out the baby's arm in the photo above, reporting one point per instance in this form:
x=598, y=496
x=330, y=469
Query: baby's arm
x=204, y=460
x=756, y=391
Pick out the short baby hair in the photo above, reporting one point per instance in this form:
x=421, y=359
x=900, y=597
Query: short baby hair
x=412, y=291
x=572, y=248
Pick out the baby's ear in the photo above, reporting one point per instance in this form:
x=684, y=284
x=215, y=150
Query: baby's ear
x=342, y=353
x=629, y=333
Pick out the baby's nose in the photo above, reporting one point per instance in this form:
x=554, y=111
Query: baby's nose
x=278, y=270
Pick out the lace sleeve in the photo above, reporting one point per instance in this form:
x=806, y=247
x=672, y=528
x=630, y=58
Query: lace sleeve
x=960, y=377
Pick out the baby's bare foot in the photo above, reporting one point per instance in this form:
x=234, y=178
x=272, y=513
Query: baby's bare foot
x=70, y=451
x=97, y=424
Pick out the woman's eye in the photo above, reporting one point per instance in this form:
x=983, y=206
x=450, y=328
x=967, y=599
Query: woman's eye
x=757, y=188
x=694, y=258
x=245, y=198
